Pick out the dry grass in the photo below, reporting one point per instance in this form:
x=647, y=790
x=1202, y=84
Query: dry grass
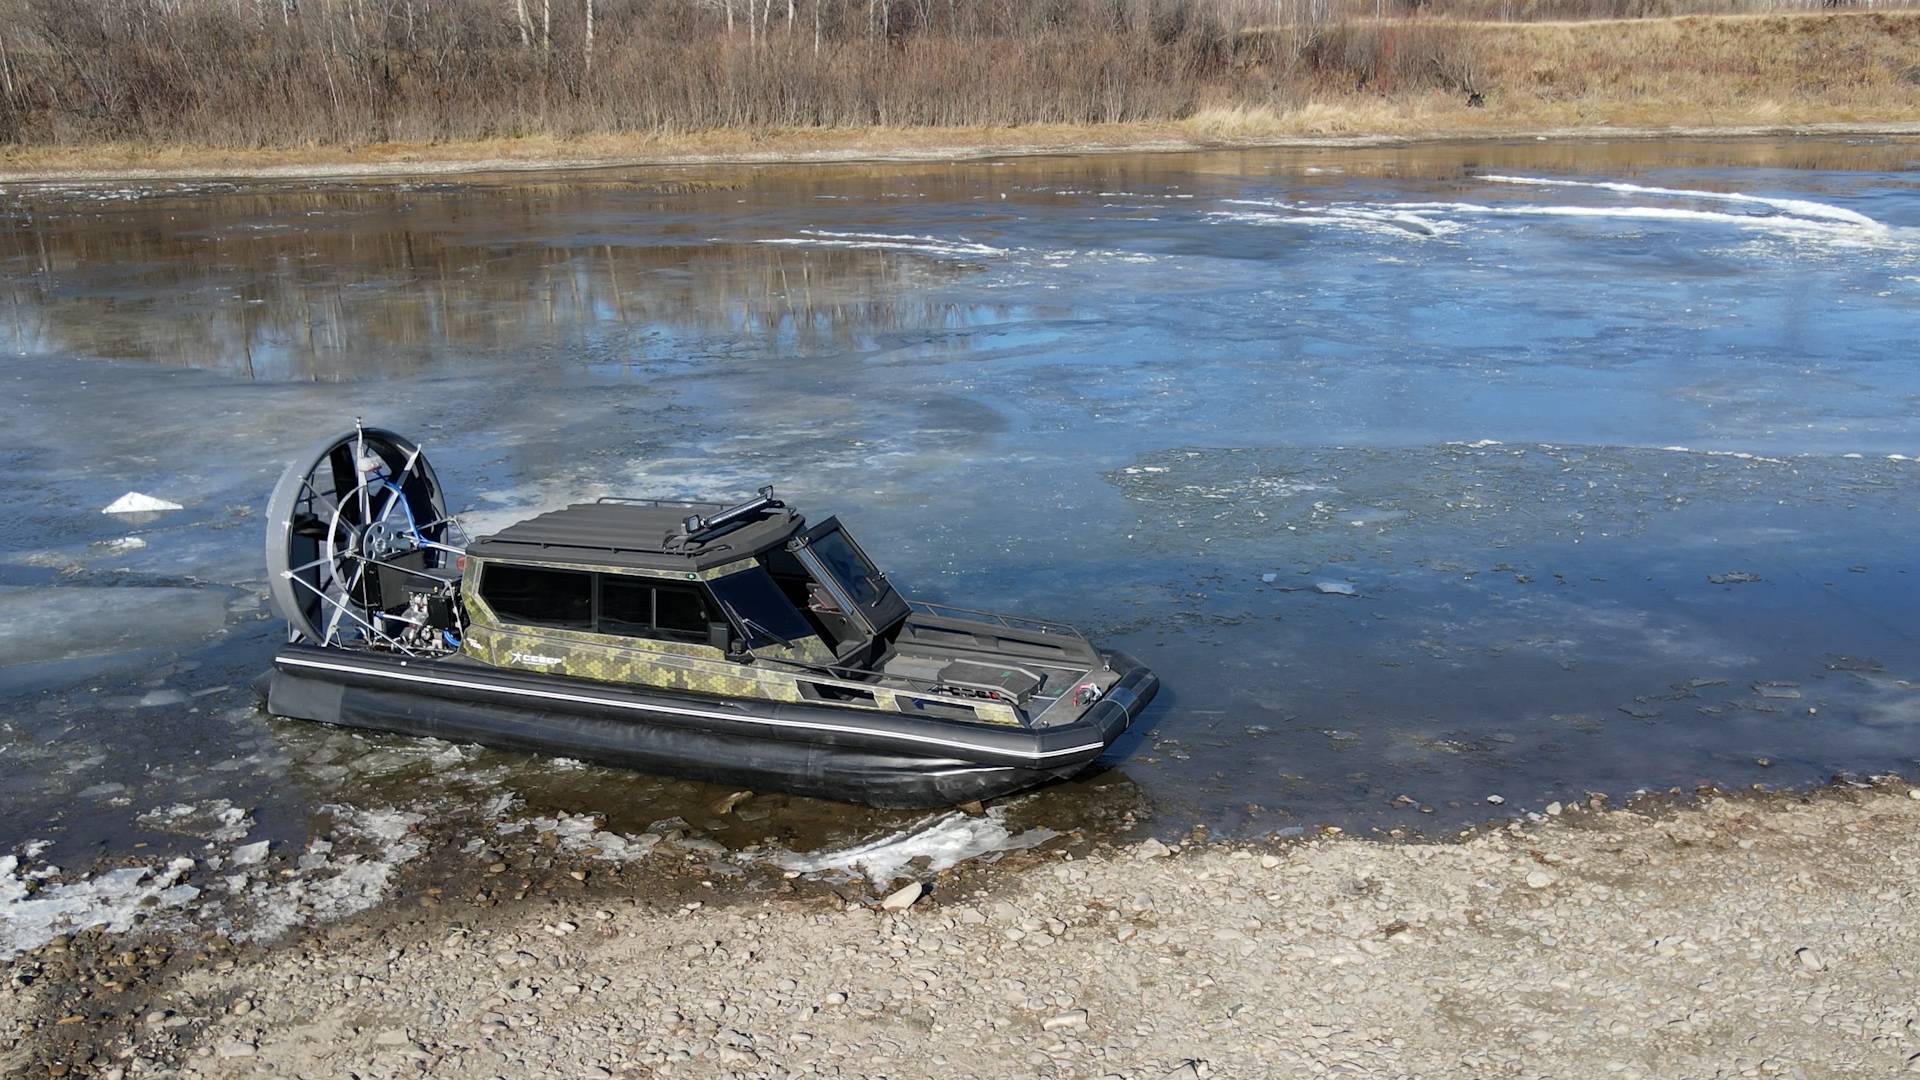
x=126, y=158
x=1695, y=71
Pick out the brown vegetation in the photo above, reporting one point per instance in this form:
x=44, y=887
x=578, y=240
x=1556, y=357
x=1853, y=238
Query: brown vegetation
x=258, y=74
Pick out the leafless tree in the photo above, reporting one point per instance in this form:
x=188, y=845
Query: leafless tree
x=523, y=20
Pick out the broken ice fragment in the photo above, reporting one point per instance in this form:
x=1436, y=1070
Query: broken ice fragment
x=1335, y=588
x=133, y=502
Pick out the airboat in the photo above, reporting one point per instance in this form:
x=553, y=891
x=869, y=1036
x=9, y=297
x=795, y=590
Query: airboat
x=738, y=644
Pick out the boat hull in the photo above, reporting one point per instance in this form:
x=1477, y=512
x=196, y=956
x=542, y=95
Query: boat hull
x=863, y=756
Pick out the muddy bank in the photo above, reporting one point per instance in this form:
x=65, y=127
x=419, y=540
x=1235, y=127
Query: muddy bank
x=118, y=163
x=1746, y=936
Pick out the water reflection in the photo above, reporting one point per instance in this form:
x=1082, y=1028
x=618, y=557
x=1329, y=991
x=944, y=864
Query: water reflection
x=332, y=280
x=326, y=306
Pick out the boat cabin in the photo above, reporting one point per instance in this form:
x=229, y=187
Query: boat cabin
x=750, y=601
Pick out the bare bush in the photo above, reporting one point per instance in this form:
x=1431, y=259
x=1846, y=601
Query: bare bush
x=260, y=73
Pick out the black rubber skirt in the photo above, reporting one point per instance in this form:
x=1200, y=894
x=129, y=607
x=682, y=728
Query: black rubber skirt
x=853, y=755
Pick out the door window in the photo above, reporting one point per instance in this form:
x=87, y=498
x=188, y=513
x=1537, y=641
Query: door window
x=626, y=606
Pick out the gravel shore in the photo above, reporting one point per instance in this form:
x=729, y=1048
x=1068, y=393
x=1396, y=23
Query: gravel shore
x=1742, y=937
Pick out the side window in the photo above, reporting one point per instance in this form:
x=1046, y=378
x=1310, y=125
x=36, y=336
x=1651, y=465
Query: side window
x=626, y=606
x=537, y=597
x=640, y=607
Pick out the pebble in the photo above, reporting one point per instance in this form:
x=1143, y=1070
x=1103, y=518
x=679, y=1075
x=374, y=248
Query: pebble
x=902, y=899
x=1810, y=959
x=1072, y=1018
x=234, y=1048
x=1539, y=879
x=1497, y=800
x=1150, y=849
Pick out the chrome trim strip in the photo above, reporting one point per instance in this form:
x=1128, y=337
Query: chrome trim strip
x=555, y=695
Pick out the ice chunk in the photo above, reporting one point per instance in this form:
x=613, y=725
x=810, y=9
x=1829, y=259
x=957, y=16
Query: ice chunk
x=133, y=502
x=249, y=854
x=581, y=834
x=355, y=882
x=944, y=841
x=1335, y=588
x=30, y=918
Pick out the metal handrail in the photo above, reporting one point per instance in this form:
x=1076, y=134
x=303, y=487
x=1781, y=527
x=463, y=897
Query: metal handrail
x=1011, y=622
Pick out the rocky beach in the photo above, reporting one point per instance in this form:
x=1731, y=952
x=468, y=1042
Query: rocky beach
x=1749, y=935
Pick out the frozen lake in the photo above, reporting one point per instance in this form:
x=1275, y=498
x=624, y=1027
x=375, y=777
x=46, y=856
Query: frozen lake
x=1419, y=474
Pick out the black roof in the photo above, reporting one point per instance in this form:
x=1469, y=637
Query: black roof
x=629, y=535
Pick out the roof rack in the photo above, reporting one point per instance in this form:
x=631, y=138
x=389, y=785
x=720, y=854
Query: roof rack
x=646, y=500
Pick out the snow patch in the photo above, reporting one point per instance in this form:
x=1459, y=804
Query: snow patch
x=1805, y=208
x=928, y=245
x=1739, y=455
x=1400, y=222
x=1826, y=228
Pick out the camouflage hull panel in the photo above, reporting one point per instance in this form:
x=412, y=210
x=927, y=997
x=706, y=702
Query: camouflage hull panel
x=672, y=666
x=846, y=754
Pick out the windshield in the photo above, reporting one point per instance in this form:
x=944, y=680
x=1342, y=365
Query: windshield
x=850, y=568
